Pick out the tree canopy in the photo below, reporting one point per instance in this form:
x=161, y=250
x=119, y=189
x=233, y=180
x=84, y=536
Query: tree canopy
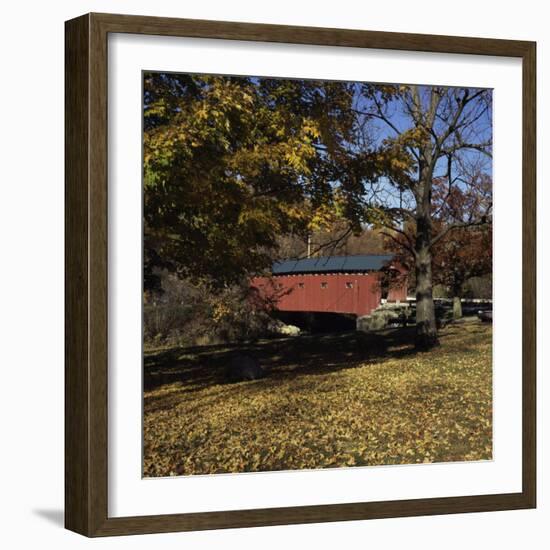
x=231, y=163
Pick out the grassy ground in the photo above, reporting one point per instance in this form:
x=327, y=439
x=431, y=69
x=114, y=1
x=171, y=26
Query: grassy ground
x=328, y=401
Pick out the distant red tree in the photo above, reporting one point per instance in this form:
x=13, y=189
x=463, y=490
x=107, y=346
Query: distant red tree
x=464, y=247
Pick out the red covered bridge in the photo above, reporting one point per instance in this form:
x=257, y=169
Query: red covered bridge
x=335, y=284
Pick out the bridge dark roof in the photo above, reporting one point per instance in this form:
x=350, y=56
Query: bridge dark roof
x=332, y=264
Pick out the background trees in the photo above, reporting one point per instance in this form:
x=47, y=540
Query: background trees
x=463, y=251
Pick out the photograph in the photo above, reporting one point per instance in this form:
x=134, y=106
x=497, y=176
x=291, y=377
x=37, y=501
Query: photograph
x=317, y=274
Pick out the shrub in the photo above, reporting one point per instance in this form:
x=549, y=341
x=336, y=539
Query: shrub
x=187, y=313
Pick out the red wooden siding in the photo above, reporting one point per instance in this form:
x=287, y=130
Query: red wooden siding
x=398, y=293
x=355, y=293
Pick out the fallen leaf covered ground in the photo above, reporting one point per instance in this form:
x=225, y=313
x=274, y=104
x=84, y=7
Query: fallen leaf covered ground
x=327, y=401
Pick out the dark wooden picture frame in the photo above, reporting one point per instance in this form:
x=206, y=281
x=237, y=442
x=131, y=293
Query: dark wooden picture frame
x=86, y=223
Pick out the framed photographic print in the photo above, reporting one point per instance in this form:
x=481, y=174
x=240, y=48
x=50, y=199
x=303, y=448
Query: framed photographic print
x=300, y=275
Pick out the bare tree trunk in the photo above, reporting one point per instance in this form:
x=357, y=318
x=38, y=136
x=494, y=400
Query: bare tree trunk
x=426, y=328
x=457, y=307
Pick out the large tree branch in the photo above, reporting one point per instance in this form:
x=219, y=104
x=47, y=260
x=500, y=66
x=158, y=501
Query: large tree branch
x=453, y=124
x=381, y=116
x=403, y=212
x=458, y=225
x=406, y=245
x=435, y=100
x=332, y=244
x=481, y=147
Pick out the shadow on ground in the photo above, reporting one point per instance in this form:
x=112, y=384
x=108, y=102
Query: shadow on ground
x=195, y=368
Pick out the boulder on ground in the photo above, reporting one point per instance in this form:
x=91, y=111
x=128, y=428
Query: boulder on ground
x=244, y=367
x=486, y=316
x=379, y=319
x=278, y=327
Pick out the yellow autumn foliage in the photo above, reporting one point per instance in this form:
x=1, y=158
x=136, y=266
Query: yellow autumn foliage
x=326, y=402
